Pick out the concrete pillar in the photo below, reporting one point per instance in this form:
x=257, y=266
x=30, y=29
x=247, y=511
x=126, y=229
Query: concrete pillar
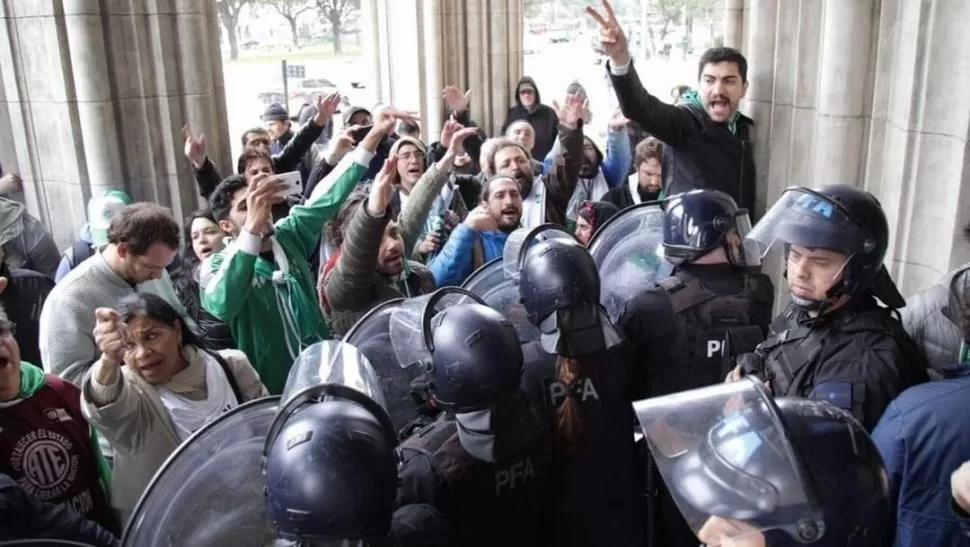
x=96, y=93
x=843, y=87
x=861, y=93
x=420, y=46
x=734, y=23
x=759, y=49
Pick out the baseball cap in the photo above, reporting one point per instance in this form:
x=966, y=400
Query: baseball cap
x=101, y=209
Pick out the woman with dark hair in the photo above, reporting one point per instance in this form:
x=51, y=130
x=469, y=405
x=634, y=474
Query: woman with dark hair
x=594, y=499
x=169, y=387
x=203, y=238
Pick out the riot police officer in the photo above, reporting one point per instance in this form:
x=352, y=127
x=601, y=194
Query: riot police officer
x=714, y=304
x=494, y=467
x=316, y=466
x=688, y=328
x=331, y=473
x=584, y=392
x=748, y=470
x=834, y=341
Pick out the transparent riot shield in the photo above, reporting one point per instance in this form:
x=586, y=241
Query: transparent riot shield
x=210, y=490
x=726, y=457
x=372, y=336
x=499, y=292
x=628, y=250
x=411, y=322
x=333, y=362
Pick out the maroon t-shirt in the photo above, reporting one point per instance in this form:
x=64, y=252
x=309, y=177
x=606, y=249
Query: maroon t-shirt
x=45, y=446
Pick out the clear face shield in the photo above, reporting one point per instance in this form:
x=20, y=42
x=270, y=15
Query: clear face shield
x=522, y=239
x=815, y=232
x=726, y=457
x=412, y=323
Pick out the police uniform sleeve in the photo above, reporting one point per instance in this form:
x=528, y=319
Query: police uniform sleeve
x=863, y=377
x=421, y=524
x=419, y=481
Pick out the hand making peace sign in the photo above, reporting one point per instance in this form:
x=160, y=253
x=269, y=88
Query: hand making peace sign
x=612, y=39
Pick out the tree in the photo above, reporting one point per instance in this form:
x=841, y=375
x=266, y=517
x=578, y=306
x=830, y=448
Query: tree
x=336, y=12
x=291, y=11
x=229, y=15
x=670, y=11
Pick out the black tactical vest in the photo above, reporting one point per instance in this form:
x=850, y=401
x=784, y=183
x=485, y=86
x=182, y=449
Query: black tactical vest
x=790, y=354
x=712, y=329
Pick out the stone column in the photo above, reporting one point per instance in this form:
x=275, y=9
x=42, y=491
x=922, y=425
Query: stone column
x=862, y=93
x=420, y=46
x=734, y=23
x=96, y=94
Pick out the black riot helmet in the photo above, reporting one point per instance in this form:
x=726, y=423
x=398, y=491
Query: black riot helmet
x=699, y=221
x=330, y=466
x=839, y=218
x=560, y=290
x=795, y=471
x=476, y=358
x=472, y=352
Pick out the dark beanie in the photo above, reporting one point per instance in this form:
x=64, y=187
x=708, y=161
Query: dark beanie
x=275, y=113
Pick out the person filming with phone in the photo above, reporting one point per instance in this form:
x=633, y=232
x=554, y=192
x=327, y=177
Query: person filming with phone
x=260, y=283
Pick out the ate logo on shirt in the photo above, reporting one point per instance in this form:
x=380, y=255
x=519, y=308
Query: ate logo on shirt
x=48, y=463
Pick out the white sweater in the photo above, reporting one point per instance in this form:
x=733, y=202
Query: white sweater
x=67, y=321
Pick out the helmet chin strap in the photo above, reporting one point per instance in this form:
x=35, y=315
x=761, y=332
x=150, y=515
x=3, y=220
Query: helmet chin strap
x=823, y=305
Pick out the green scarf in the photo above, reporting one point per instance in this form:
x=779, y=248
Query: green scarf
x=692, y=97
x=32, y=379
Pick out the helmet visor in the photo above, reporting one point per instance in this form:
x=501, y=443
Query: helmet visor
x=806, y=218
x=726, y=458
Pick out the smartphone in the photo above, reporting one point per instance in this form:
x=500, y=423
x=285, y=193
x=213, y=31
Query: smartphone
x=294, y=183
x=359, y=134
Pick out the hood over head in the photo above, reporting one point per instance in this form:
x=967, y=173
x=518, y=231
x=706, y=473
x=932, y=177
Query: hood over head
x=349, y=113
x=527, y=81
x=401, y=141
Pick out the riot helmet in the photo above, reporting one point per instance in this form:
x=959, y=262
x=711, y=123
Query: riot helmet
x=700, y=221
x=560, y=289
x=838, y=218
x=758, y=471
x=472, y=353
x=329, y=457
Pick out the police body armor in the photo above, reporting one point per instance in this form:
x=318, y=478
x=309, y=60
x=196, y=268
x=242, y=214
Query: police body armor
x=712, y=329
x=790, y=355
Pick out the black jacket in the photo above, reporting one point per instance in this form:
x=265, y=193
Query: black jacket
x=543, y=118
x=23, y=300
x=289, y=159
x=698, y=152
x=594, y=496
x=23, y=517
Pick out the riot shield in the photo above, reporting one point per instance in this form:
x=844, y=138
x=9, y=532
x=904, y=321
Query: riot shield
x=411, y=322
x=210, y=490
x=491, y=284
x=333, y=362
x=372, y=336
x=628, y=250
x=726, y=456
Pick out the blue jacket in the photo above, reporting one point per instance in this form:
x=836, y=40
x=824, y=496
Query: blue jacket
x=924, y=436
x=456, y=260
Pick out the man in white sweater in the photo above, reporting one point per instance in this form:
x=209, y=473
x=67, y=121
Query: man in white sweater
x=142, y=241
